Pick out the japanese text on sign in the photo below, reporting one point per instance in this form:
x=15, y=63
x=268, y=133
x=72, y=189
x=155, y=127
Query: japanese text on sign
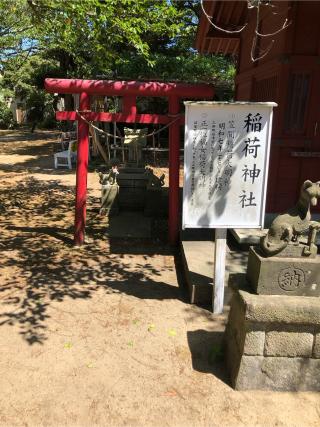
x=226, y=159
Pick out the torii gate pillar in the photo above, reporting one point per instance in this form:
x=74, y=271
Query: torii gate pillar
x=82, y=173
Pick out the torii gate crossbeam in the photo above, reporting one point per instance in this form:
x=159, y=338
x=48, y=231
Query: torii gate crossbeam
x=129, y=90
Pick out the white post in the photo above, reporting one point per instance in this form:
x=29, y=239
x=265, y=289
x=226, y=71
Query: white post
x=219, y=269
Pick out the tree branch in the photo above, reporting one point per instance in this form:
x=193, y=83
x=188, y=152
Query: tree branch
x=258, y=34
x=209, y=18
x=284, y=26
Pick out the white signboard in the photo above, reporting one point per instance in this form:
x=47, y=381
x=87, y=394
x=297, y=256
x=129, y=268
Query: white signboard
x=226, y=164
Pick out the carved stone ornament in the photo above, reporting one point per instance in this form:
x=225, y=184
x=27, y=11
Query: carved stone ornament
x=291, y=278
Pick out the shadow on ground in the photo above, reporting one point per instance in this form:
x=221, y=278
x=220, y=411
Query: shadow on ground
x=40, y=265
x=207, y=354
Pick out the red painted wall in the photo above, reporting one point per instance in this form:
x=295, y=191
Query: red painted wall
x=289, y=75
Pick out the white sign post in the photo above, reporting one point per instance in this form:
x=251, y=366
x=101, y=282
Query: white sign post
x=225, y=172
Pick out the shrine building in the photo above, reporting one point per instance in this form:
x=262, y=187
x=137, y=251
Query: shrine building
x=286, y=71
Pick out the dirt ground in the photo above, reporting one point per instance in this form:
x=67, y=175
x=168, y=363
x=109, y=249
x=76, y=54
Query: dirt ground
x=104, y=335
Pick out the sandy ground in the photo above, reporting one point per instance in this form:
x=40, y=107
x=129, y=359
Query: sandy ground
x=103, y=335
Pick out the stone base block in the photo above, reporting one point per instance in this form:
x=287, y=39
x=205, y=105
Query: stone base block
x=156, y=202
x=272, y=342
x=198, y=270
x=278, y=373
x=129, y=225
x=283, y=276
x=132, y=188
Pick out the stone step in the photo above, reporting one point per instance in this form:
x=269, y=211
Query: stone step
x=129, y=225
x=198, y=264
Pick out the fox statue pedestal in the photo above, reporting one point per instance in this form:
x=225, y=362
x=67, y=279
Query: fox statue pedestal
x=283, y=274
x=273, y=333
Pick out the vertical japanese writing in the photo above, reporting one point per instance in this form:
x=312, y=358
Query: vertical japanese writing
x=203, y=142
x=193, y=161
x=221, y=140
x=221, y=153
x=251, y=150
x=230, y=146
x=212, y=156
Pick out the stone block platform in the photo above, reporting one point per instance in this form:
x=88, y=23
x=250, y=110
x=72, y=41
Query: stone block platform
x=248, y=236
x=129, y=225
x=273, y=342
x=197, y=253
x=198, y=263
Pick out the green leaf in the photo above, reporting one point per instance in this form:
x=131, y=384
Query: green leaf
x=151, y=327
x=172, y=332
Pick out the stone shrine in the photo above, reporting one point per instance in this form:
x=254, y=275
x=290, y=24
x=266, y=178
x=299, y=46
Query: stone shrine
x=131, y=189
x=273, y=336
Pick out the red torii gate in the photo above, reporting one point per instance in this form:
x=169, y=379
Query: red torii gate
x=129, y=90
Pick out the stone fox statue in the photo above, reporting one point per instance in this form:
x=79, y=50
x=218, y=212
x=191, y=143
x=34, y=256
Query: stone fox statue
x=109, y=191
x=153, y=180
x=287, y=227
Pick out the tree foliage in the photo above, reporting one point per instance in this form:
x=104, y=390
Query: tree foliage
x=135, y=39
x=6, y=118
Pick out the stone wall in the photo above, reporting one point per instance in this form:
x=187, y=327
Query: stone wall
x=273, y=342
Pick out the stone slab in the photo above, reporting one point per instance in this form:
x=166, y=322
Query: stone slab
x=132, y=188
x=283, y=276
x=254, y=343
x=278, y=374
x=156, y=202
x=288, y=344
x=129, y=225
x=279, y=309
x=252, y=236
x=248, y=236
x=198, y=263
x=132, y=169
